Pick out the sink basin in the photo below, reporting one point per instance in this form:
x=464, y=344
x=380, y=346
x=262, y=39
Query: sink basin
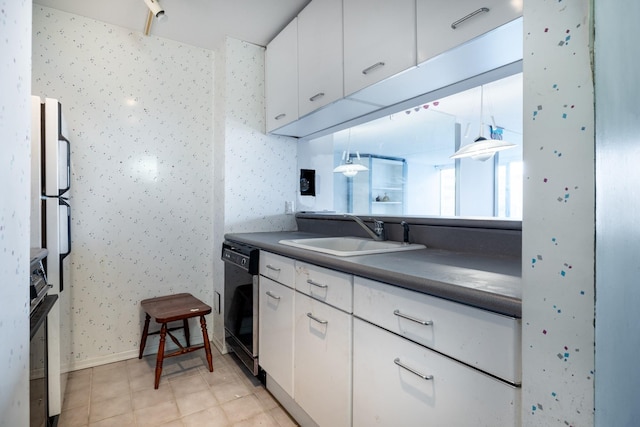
x=350, y=246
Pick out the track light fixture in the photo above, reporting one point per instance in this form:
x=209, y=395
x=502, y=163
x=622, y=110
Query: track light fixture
x=154, y=10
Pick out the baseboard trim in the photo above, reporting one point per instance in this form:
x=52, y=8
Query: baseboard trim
x=119, y=357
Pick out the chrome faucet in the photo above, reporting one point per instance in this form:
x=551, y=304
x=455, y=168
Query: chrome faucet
x=405, y=236
x=378, y=232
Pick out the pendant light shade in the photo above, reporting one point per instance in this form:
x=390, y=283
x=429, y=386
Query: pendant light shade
x=482, y=148
x=348, y=168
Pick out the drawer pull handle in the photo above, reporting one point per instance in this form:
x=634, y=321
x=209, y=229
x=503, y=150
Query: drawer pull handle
x=320, y=285
x=272, y=295
x=312, y=317
x=316, y=96
x=413, y=319
x=271, y=267
x=280, y=116
x=373, y=67
x=413, y=371
x=469, y=16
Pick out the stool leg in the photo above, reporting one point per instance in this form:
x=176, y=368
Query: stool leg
x=163, y=333
x=207, y=344
x=187, y=335
x=145, y=332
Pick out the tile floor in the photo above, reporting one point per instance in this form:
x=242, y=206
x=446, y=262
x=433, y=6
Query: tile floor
x=122, y=394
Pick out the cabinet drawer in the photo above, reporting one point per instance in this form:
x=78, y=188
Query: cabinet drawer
x=325, y=285
x=278, y=268
x=276, y=332
x=485, y=340
x=387, y=394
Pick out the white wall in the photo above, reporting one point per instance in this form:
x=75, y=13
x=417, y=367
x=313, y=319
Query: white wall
x=617, y=205
x=140, y=114
x=558, y=217
x=318, y=155
x=260, y=170
x=15, y=151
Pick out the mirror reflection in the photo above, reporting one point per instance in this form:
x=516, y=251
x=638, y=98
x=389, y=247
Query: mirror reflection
x=405, y=165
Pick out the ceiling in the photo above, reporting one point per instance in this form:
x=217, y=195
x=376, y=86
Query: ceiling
x=201, y=23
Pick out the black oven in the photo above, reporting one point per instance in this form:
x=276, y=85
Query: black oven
x=241, y=302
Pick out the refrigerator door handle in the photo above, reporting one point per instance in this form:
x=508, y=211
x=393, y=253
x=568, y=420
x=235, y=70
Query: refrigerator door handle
x=61, y=191
x=63, y=255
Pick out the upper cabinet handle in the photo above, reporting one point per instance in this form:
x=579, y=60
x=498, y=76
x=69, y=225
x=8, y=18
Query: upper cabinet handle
x=316, y=96
x=270, y=267
x=469, y=16
x=373, y=67
x=280, y=116
x=413, y=319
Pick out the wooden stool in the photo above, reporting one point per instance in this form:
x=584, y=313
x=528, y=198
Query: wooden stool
x=173, y=308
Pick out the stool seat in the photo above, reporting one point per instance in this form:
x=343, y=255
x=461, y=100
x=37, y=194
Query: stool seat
x=172, y=308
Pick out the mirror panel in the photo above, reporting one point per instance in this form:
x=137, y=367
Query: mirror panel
x=407, y=155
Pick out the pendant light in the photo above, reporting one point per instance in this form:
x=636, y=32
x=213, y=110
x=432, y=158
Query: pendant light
x=482, y=148
x=347, y=167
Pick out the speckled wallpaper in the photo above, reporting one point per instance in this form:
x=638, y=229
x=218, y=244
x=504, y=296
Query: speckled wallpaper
x=255, y=173
x=259, y=169
x=140, y=113
x=15, y=151
x=558, y=223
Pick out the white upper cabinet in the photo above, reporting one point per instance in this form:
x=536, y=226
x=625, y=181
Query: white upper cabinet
x=320, y=55
x=379, y=40
x=444, y=24
x=281, y=78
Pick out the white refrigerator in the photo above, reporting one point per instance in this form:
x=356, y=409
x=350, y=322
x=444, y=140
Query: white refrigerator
x=51, y=229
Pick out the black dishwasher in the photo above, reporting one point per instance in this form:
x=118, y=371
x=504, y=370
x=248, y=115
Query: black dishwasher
x=241, y=302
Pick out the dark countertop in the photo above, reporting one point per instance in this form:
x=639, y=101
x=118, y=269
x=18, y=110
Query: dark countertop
x=488, y=282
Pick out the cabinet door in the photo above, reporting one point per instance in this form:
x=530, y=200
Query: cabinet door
x=319, y=55
x=276, y=332
x=322, y=362
x=281, y=77
x=379, y=40
x=389, y=391
x=436, y=19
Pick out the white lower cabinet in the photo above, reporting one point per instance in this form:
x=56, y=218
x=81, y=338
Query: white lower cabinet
x=401, y=359
x=397, y=382
x=322, y=361
x=276, y=332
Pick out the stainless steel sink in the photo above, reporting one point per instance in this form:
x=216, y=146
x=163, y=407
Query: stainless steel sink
x=350, y=246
